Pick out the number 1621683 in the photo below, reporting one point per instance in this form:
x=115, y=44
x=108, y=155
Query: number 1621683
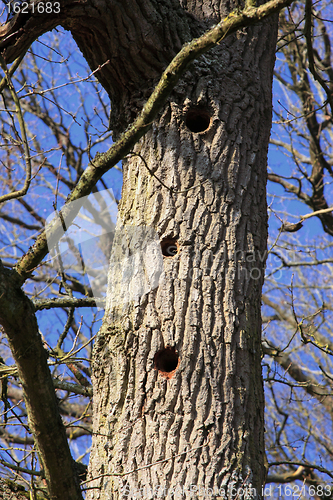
x=38, y=8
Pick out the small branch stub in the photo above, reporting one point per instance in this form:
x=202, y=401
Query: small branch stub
x=198, y=120
x=166, y=361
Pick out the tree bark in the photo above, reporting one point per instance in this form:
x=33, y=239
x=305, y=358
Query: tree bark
x=199, y=424
x=11, y=491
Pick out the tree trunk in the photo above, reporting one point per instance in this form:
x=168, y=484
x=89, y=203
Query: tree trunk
x=178, y=393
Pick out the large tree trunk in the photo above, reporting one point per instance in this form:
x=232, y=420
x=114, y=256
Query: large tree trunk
x=159, y=425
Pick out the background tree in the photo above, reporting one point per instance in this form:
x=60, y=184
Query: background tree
x=176, y=120
x=298, y=299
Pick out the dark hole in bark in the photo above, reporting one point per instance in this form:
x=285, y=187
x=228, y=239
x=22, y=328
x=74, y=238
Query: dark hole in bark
x=166, y=361
x=198, y=120
x=169, y=247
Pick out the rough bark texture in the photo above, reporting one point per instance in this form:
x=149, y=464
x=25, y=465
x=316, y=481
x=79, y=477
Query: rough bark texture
x=11, y=491
x=202, y=427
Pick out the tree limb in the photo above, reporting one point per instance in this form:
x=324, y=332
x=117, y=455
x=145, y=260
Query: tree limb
x=17, y=316
x=309, y=384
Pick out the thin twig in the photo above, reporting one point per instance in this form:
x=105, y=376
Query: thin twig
x=21, y=469
x=121, y=474
x=24, y=190
x=171, y=189
x=11, y=71
x=308, y=38
x=318, y=212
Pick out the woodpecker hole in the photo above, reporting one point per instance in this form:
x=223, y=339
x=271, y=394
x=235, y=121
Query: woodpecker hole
x=169, y=247
x=198, y=120
x=166, y=361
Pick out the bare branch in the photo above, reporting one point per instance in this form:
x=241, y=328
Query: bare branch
x=24, y=190
x=67, y=302
x=310, y=385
